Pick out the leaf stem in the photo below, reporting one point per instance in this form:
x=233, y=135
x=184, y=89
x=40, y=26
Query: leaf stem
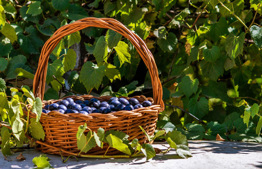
x=254, y=18
x=232, y=13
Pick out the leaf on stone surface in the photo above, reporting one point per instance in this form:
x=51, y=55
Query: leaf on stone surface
x=122, y=52
x=112, y=38
x=2, y=85
x=91, y=75
x=101, y=50
x=5, y=145
x=60, y=5
x=234, y=45
x=183, y=151
x=34, y=8
x=168, y=44
x=259, y=126
x=112, y=73
x=176, y=138
x=148, y=151
x=118, y=144
x=73, y=38
x=42, y=161
x=9, y=32
x=199, y=108
x=36, y=130
x=37, y=108
x=69, y=60
x=20, y=157
x=254, y=109
x=211, y=55
x=256, y=34
x=188, y=86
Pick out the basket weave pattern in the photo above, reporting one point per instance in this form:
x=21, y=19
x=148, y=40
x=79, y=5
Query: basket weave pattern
x=60, y=129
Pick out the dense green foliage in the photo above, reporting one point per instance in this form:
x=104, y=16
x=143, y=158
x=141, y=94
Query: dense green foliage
x=208, y=54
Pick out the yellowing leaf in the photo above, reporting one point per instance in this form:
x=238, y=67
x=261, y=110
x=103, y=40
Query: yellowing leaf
x=69, y=60
x=9, y=32
x=36, y=129
x=122, y=52
x=112, y=73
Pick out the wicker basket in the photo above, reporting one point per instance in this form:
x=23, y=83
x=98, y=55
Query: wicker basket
x=60, y=129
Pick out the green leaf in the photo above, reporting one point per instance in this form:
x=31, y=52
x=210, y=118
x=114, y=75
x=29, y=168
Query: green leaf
x=2, y=16
x=36, y=129
x=37, y=108
x=94, y=4
x=168, y=44
x=101, y=133
x=166, y=125
x=51, y=94
x=91, y=75
x=159, y=133
x=80, y=131
x=3, y=98
x=34, y=8
x=195, y=131
x=118, y=144
x=2, y=85
x=15, y=62
x=112, y=38
x=17, y=128
x=99, y=143
x=69, y=60
x=199, y=108
x=160, y=32
x=86, y=143
x=234, y=45
x=176, y=138
x=5, y=145
x=256, y=34
x=217, y=128
x=166, y=6
x=183, y=151
x=9, y=32
x=49, y=27
x=42, y=161
x=27, y=92
x=10, y=9
x=24, y=73
x=109, y=7
x=247, y=115
x=3, y=64
x=60, y=5
x=211, y=55
x=5, y=49
x=254, y=110
x=148, y=151
x=119, y=134
x=259, y=126
x=212, y=70
x=75, y=12
x=147, y=136
x=229, y=120
x=216, y=90
x=101, y=50
x=122, y=52
x=73, y=38
x=218, y=29
x=112, y=73
x=58, y=49
x=188, y=86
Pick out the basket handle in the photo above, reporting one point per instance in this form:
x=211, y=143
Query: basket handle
x=108, y=23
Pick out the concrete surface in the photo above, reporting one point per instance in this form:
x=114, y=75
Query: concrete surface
x=206, y=155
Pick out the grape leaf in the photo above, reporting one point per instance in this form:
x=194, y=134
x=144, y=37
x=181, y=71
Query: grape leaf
x=166, y=6
x=211, y=55
x=183, y=151
x=86, y=143
x=17, y=127
x=112, y=38
x=3, y=64
x=212, y=69
x=199, y=108
x=9, y=32
x=112, y=73
x=36, y=129
x=73, y=38
x=247, y=114
x=188, y=86
x=10, y=9
x=168, y=44
x=160, y=32
x=166, y=125
x=254, y=109
x=5, y=49
x=2, y=85
x=75, y=12
x=118, y=144
x=176, y=138
x=37, y=108
x=122, y=52
x=24, y=73
x=5, y=145
x=195, y=131
x=34, y=8
x=256, y=34
x=91, y=75
x=101, y=50
x=259, y=126
x=51, y=94
x=148, y=151
x=60, y=4
x=41, y=162
x=2, y=16
x=216, y=128
x=234, y=45
x=69, y=60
